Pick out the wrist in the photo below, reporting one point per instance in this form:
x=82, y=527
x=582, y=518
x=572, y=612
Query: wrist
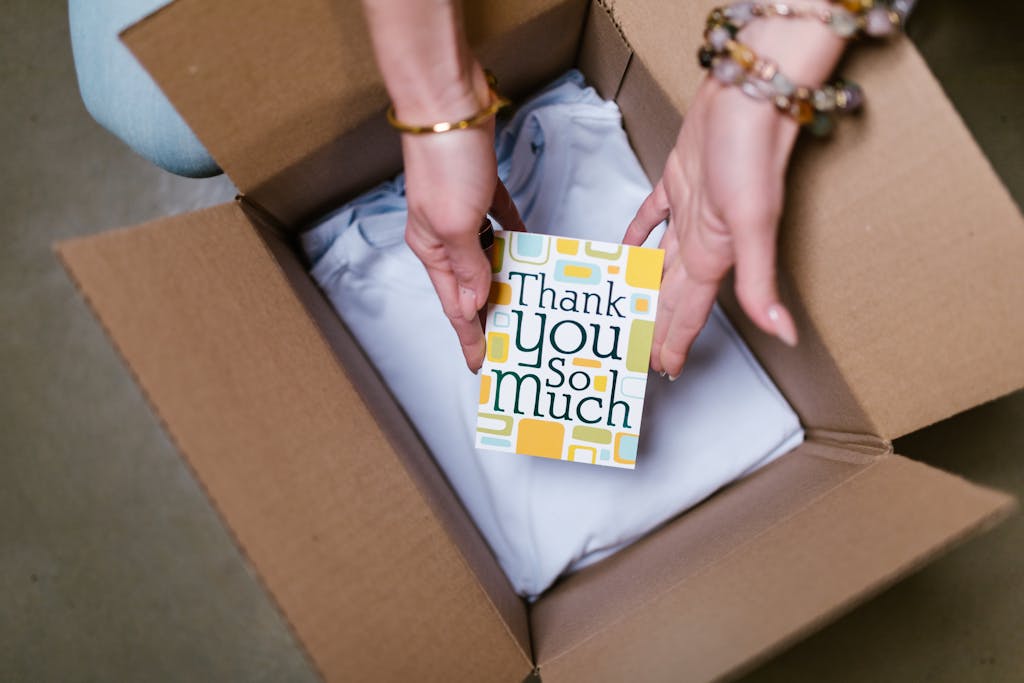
x=441, y=94
x=807, y=51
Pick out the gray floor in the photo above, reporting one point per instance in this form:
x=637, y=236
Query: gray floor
x=113, y=567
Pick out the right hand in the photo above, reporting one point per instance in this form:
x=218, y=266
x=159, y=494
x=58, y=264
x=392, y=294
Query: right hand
x=451, y=184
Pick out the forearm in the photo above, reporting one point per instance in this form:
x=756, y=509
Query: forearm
x=422, y=51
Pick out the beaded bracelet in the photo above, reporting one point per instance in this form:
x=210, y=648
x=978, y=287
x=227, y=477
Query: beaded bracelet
x=761, y=79
x=850, y=18
x=734, y=63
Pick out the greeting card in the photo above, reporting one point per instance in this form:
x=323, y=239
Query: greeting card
x=569, y=330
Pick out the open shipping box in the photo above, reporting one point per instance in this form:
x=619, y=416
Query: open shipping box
x=901, y=252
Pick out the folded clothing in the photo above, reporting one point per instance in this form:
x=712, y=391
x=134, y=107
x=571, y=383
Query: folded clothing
x=569, y=167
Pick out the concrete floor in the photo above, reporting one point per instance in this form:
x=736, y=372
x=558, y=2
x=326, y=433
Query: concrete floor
x=113, y=566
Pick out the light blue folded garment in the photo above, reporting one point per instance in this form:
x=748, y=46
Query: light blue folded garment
x=570, y=169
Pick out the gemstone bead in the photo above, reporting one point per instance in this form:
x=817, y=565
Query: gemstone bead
x=802, y=111
x=743, y=55
x=843, y=23
x=718, y=37
x=850, y=97
x=705, y=56
x=715, y=18
x=749, y=88
x=824, y=99
x=740, y=13
x=764, y=89
x=902, y=8
x=856, y=5
x=727, y=71
x=766, y=70
x=878, y=23
x=782, y=85
x=821, y=125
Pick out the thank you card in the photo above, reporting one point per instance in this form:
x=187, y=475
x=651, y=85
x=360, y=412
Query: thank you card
x=569, y=328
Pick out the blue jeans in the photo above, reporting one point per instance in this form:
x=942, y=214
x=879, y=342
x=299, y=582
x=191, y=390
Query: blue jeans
x=122, y=97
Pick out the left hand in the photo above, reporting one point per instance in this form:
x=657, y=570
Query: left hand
x=722, y=192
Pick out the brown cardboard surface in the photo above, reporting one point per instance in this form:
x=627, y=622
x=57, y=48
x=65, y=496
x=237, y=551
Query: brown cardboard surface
x=287, y=97
x=401, y=434
x=757, y=571
x=903, y=247
x=291, y=457
x=604, y=53
x=894, y=227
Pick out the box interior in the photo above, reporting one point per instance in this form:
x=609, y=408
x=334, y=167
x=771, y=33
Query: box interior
x=244, y=359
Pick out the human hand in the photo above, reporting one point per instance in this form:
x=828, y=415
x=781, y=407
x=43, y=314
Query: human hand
x=451, y=178
x=451, y=183
x=722, y=193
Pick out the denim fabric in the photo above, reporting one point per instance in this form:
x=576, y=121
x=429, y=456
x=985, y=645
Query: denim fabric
x=121, y=96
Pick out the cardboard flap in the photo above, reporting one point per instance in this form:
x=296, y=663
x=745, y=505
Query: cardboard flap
x=796, y=544
x=899, y=242
x=277, y=91
x=341, y=534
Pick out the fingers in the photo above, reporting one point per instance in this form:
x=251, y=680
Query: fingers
x=754, y=236
x=459, y=269
x=702, y=256
x=687, y=320
x=471, y=269
x=460, y=279
x=653, y=211
x=504, y=209
x=469, y=331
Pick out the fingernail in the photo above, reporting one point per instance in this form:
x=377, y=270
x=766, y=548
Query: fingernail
x=663, y=373
x=673, y=378
x=467, y=302
x=783, y=324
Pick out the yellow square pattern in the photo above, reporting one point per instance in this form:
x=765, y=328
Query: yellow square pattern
x=485, y=389
x=570, y=247
x=585, y=454
x=501, y=293
x=497, y=347
x=643, y=268
x=540, y=438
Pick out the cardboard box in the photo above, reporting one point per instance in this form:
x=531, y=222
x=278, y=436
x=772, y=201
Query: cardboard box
x=901, y=254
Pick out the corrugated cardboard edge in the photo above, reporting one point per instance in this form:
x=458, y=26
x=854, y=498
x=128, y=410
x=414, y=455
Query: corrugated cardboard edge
x=604, y=53
x=69, y=254
x=654, y=643
x=60, y=251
